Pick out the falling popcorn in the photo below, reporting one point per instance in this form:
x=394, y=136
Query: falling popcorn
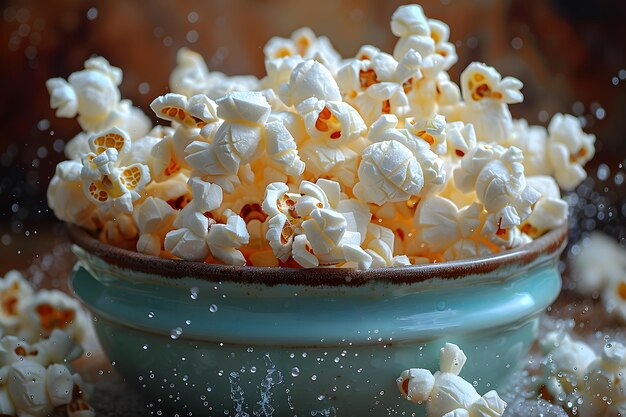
x=445, y=393
x=423, y=169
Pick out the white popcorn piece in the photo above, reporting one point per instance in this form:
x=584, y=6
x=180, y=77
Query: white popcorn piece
x=191, y=77
x=332, y=122
x=309, y=79
x=302, y=252
x=569, y=149
x=440, y=33
x=105, y=182
x=436, y=222
x=388, y=172
x=14, y=293
x=277, y=48
x=303, y=43
x=197, y=111
x=238, y=139
x=379, y=244
x=614, y=294
x=224, y=239
x=533, y=141
x=27, y=389
x=118, y=230
x=282, y=150
x=278, y=72
x=549, y=212
x=432, y=130
x=48, y=310
x=590, y=270
x=324, y=230
x=460, y=139
x=446, y=393
x=497, y=175
x=154, y=218
x=409, y=20
x=94, y=96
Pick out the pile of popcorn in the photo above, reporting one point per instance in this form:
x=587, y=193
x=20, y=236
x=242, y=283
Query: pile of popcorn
x=582, y=382
x=372, y=161
x=40, y=333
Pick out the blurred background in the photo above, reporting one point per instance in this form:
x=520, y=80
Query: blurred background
x=570, y=55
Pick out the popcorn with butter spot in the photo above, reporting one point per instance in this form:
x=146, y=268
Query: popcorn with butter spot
x=107, y=183
x=14, y=293
x=154, y=218
x=431, y=130
x=569, y=149
x=48, y=310
x=486, y=96
x=549, y=212
x=198, y=111
x=445, y=393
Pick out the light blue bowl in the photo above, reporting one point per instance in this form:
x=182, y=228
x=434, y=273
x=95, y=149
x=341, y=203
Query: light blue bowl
x=218, y=340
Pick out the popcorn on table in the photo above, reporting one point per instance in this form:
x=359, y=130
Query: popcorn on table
x=445, y=169
x=445, y=393
x=578, y=378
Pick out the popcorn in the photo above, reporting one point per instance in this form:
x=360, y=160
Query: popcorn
x=549, y=212
x=486, y=95
x=154, y=218
x=375, y=161
x=191, y=77
x=49, y=310
x=14, y=293
x=305, y=44
x=569, y=150
x=195, y=238
x=309, y=79
x=388, y=172
x=445, y=393
x=590, y=270
x=565, y=366
x=105, y=182
x=331, y=236
x=93, y=95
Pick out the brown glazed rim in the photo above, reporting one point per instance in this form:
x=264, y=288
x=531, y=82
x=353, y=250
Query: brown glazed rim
x=548, y=244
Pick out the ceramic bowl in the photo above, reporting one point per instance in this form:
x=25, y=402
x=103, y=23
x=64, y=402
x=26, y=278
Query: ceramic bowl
x=221, y=340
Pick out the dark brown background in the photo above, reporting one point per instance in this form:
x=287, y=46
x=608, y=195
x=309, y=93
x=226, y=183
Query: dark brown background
x=569, y=55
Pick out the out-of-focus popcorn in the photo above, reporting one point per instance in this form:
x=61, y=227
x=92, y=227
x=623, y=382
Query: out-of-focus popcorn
x=445, y=393
x=590, y=270
x=94, y=96
x=589, y=384
x=569, y=149
x=14, y=293
x=420, y=169
x=303, y=43
x=48, y=310
x=191, y=76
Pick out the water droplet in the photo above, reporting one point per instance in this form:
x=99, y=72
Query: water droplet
x=314, y=378
x=92, y=13
x=250, y=349
x=187, y=322
x=213, y=308
x=321, y=397
x=441, y=305
x=145, y=347
x=150, y=315
x=252, y=369
x=337, y=360
x=295, y=371
x=194, y=293
x=175, y=334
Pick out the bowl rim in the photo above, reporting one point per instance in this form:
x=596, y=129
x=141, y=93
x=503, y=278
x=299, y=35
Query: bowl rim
x=549, y=244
